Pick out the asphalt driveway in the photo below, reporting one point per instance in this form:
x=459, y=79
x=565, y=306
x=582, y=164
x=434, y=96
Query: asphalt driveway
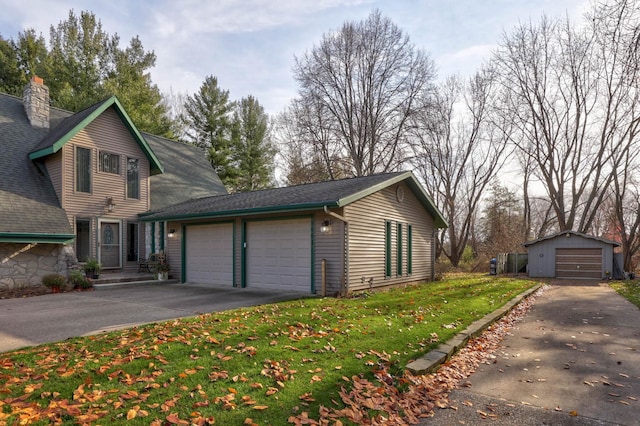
x=572, y=360
x=54, y=317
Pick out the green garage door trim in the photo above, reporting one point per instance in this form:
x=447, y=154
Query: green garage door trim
x=209, y=253
x=278, y=254
x=579, y=263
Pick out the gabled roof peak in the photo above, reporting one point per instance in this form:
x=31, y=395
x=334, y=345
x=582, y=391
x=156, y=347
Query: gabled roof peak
x=65, y=131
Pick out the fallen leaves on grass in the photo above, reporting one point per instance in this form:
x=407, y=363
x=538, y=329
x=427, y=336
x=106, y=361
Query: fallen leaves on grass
x=381, y=401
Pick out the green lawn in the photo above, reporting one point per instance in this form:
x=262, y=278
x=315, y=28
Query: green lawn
x=629, y=290
x=263, y=363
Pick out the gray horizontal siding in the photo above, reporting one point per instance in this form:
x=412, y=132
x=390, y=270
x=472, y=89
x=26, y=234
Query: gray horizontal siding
x=367, y=218
x=542, y=255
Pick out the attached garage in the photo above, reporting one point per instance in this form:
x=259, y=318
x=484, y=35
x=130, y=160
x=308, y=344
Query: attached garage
x=209, y=253
x=571, y=255
x=278, y=254
x=327, y=238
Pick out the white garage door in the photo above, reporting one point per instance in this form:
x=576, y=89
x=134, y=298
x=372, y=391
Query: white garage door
x=209, y=254
x=579, y=263
x=278, y=255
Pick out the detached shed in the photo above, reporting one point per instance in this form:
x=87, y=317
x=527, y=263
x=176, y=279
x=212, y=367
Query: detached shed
x=571, y=255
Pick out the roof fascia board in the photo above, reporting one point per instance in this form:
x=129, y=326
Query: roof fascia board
x=36, y=238
x=156, y=167
x=238, y=212
x=578, y=234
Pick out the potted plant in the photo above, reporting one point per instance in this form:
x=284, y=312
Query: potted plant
x=80, y=281
x=92, y=268
x=163, y=269
x=54, y=281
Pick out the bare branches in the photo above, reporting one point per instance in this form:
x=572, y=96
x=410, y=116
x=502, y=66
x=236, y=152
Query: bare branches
x=361, y=85
x=457, y=152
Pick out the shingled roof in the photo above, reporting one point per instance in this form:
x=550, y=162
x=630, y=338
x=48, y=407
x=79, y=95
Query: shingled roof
x=568, y=233
x=187, y=173
x=29, y=207
x=336, y=193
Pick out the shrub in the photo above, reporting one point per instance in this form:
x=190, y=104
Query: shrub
x=78, y=280
x=54, y=280
x=92, y=266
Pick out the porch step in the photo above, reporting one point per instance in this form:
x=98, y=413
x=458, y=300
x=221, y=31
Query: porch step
x=125, y=283
x=106, y=278
x=126, y=277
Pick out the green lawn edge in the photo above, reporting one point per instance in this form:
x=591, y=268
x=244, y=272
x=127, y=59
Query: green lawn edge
x=263, y=363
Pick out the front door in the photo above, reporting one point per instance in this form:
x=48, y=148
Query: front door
x=109, y=244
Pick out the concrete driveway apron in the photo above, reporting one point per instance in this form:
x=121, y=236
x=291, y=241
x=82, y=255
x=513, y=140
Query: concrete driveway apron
x=54, y=317
x=573, y=360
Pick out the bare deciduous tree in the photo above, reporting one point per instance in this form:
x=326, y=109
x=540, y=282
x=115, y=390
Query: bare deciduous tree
x=565, y=99
x=458, y=149
x=358, y=88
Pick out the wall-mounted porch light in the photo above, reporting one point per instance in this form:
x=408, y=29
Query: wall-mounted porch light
x=172, y=233
x=326, y=226
x=109, y=204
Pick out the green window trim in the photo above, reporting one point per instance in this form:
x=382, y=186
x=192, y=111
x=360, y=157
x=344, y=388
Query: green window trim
x=409, y=249
x=399, y=250
x=387, y=249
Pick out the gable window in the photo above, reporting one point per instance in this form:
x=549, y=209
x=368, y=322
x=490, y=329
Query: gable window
x=83, y=169
x=387, y=249
x=399, y=250
x=109, y=163
x=133, y=178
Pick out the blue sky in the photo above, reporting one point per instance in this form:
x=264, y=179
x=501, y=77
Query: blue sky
x=250, y=45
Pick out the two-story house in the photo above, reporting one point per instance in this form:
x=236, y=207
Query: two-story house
x=90, y=185
x=72, y=186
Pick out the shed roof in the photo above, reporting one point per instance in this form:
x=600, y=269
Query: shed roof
x=565, y=233
x=336, y=193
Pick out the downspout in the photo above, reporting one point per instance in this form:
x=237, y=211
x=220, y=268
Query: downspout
x=345, y=278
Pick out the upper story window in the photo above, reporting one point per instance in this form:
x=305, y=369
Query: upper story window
x=109, y=163
x=133, y=178
x=83, y=169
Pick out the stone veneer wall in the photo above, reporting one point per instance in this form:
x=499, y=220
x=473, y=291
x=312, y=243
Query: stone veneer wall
x=26, y=268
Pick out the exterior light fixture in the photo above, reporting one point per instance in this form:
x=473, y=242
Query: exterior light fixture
x=172, y=233
x=110, y=204
x=325, y=227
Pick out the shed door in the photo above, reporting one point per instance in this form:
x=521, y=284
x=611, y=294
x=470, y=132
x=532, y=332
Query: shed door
x=579, y=263
x=209, y=254
x=278, y=255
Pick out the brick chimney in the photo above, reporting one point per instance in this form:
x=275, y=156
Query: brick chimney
x=36, y=102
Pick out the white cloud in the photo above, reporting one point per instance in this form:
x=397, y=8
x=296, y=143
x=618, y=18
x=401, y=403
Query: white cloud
x=250, y=44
